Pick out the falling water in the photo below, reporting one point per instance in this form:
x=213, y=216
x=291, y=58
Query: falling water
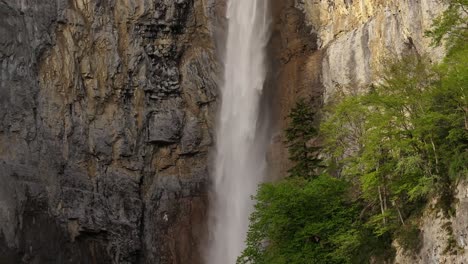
x=241, y=144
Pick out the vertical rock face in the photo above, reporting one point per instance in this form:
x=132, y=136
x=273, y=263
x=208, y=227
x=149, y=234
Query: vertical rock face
x=357, y=35
x=294, y=73
x=443, y=239
x=105, y=123
x=320, y=47
x=107, y=109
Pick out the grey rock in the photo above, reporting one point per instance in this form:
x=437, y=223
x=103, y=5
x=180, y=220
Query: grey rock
x=192, y=136
x=165, y=127
x=90, y=92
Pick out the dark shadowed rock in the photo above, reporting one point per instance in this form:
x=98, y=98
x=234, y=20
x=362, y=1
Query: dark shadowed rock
x=192, y=136
x=165, y=126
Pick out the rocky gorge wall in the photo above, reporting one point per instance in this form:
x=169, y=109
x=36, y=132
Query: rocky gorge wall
x=320, y=47
x=443, y=239
x=340, y=46
x=107, y=111
x=105, y=126
x=357, y=35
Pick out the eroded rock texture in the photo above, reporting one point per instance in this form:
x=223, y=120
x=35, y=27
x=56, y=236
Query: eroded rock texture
x=295, y=73
x=105, y=123
x=357, y=35
x=443, y=239
x=107, y=110
x=351, y=40
x=320, y=47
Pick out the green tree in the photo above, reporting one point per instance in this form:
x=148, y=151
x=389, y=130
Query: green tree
x=400, y=142
x=391, y=149
x=308, y=217
x=451, y=26
x=299, y=221
x=300, y=135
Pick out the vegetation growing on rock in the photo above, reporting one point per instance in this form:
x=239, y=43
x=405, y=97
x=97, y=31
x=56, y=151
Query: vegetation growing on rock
x=389, y=150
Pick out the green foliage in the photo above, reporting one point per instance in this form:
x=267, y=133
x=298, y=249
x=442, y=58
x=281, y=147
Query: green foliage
x=299, y=137
x=451, y=26
x=404, y=139
x=303, y=221
x=389, y=151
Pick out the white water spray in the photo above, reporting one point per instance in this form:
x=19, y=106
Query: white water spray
x=241, y=144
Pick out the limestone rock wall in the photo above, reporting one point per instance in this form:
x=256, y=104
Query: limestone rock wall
x=321, y=46
x=443, y=239
x=106, y=110
x=353, y=37
x=358, y=34
x=295, y=72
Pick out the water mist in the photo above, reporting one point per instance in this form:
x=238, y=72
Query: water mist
x=241, y=142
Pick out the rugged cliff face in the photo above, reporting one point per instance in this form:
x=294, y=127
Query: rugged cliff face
x=340, y=46
x=443, y=239
x=107, y=112
x=105, y=124
x=320, y=47
x=357, y=35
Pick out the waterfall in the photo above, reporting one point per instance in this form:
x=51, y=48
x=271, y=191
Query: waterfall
x=241, y=142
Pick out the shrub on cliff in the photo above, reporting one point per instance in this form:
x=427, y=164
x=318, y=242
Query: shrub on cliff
x=300, y=220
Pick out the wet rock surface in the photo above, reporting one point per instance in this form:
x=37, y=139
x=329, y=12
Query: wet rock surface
x=104, y=137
